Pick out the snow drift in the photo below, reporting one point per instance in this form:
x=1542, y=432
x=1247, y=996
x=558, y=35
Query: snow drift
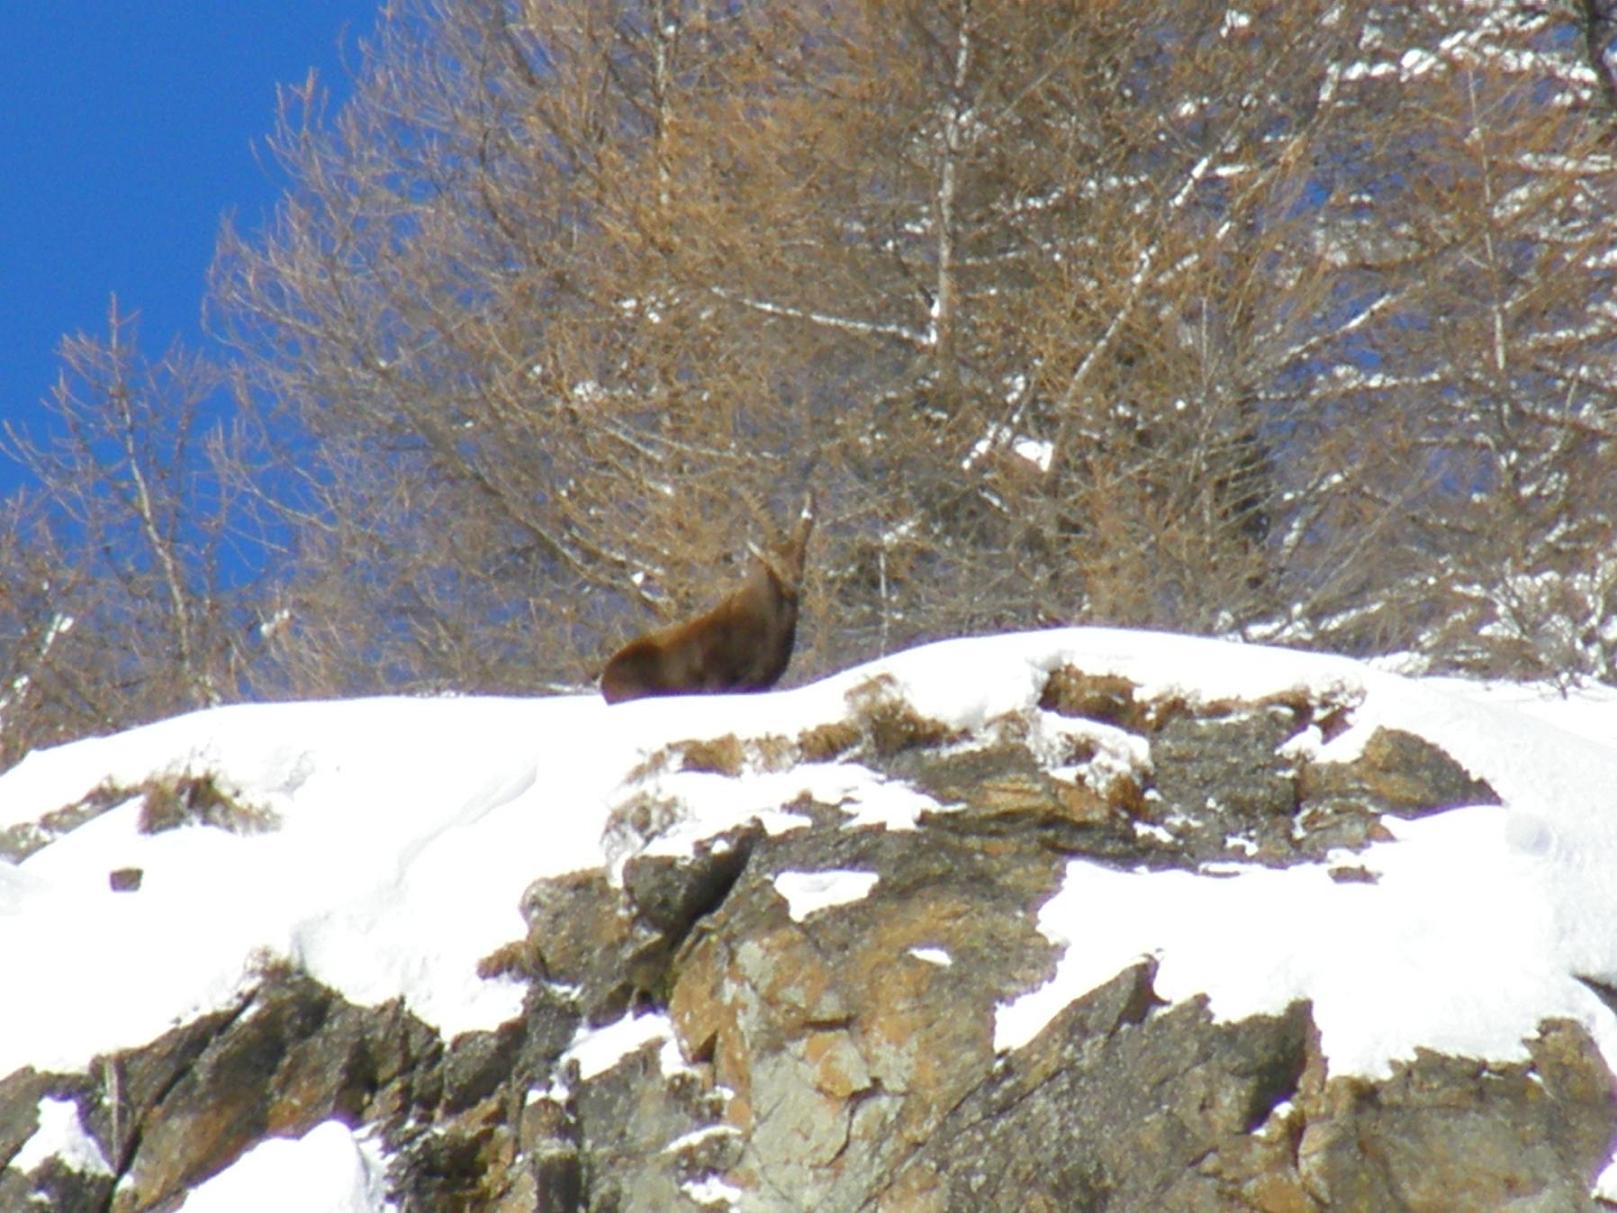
x=403, y=833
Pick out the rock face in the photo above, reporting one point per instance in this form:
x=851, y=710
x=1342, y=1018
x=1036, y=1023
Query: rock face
x=807, y=1043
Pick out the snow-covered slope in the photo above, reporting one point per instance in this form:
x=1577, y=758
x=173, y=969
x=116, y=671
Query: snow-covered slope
x=408, y=830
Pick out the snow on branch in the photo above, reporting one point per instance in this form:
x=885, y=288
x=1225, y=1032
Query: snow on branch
x=921, y=340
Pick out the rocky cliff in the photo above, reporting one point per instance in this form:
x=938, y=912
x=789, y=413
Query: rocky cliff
x=865, y=991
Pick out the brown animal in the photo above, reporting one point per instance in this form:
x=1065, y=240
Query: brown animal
x=743, y=644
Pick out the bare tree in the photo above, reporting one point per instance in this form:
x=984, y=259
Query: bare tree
x=1480, y=245
x=481, y=320
x=125, y=566
x=1283, y=320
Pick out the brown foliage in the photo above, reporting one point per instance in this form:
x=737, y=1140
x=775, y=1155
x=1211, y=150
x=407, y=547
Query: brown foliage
x=116, y=605
x=1292, y=322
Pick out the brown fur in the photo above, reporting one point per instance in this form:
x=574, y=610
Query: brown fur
x=743, y=644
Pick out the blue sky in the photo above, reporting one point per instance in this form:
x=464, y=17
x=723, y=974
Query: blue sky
x=129, y=130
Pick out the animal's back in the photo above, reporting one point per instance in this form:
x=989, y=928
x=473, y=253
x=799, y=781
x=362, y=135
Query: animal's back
x=743, y=644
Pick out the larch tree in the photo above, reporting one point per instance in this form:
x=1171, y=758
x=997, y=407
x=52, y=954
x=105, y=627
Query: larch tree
x=125, y=580
x=1476, y=391
x=1286, y=320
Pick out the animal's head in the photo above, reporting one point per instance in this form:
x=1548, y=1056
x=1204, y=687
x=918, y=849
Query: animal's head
x=786, y=550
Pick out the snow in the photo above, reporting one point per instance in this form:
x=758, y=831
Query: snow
x=1234, y=21
x=597, y=1050
x=1037, y=451
x=1449, y=904
x=697, y=1137
x=61, y=1135
x=716, y=802
x=1605, y=1187
x=1480, y=920
x=810, y=892
x=408, y=829
x=330, y=1169
x=712, y=1191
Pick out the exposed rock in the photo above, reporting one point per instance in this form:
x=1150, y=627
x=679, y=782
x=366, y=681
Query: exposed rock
x=482, y=1144
x=1123, y=1104
x=19, y=841
x=291, y=1057
x=1396, y=773
x=642, y=1132
x=1447, y=1133
x=129, y=1087
x=827, y=1030
x=842, y=1055
x=1227, y=762
x=1118, y=1104
x=582, y=934
x=125, y=880
x=20, y=1094
x=49, y=1182
x=57, y=1185
x=670, y=892
x=1004, y=789
x=615, y=945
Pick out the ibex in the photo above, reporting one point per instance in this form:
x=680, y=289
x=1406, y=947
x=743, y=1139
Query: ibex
x=743, y=644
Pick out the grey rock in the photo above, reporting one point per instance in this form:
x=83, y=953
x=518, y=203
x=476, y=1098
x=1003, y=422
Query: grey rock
x=51, y=1184
x=1447, y=1133
x=845, y=1059
x=1396, y=773
x=1118, y=1105
x=1226, y=768
x=289, y=1058
x=583, y=935
x=631, y=1121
